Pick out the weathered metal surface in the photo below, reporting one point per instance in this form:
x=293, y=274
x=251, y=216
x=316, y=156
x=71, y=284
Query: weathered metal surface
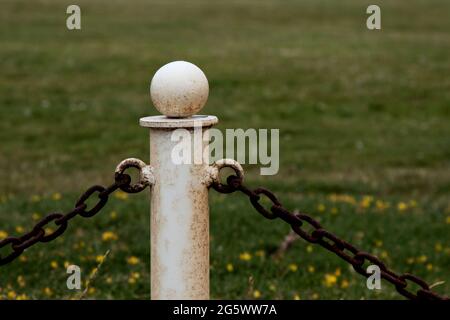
x=179, y=217
x=179, y=89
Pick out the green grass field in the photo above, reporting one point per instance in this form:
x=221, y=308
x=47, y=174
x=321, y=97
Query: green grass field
x=364, y=137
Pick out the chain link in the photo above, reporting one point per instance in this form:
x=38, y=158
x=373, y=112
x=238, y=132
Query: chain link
x=328, y=240
x=38, y=234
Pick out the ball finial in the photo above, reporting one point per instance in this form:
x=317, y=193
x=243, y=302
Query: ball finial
x=179, y=89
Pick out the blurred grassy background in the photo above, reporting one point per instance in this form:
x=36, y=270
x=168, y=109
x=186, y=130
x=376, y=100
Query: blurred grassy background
x=363, y=118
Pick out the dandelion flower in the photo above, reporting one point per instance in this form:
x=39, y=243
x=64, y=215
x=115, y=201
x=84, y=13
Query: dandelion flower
x=54, y=264
x=230, y=267
x=56, y=196
x=48, y=291
x=245, y=256
x=99, y=259
x=330, y=280
x=344, y=284
x=20, y=229
x=133, y=260
x=309, y=248
x=109, y=236
x=378, y=243
x=113, y=215
x=401, y=206
x=3, y=234
x=121, y=195
x=35, y=216
x=422, y=259
x=21, y=281
x=293, y=267
x=11, y=295
x=256, y=294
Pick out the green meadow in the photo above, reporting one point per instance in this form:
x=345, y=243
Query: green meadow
x=364, y=120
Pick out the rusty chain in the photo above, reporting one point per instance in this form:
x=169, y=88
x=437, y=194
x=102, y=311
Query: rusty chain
x=38, y=234
x=328, y=240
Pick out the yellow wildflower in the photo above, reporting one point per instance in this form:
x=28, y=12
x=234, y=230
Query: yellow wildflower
x=311, y=269
x=381, y=205
x=35, y=216
x=99, y=259
x=121, y=195
x=20, y=229
x=109, y=236
x=366, y=201
x=293, y=267
x=330, y=280
x=21, y=281
x=133, y=260
x=56, y=196
x=22, y=296
x=429, y=266
x=378, y=243
x=410, y=260
x=401, y=206
x=245, y=256
x=337, y=273
x=109, y=280
x=315, y=296
x=54, y=264
x=256, y=294
x=48, y=291
x=91, y=290
x=230, y=267
x=321, y=207
x=113, y=215
x=344, y=284
x=422, y=259
x=309, y=248
x=11, y=295
x=296, y=296
x=3, y=234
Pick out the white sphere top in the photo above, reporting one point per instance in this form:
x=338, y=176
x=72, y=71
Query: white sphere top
x=179, y=89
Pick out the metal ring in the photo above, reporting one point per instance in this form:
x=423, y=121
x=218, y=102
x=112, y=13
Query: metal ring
x=145, y=176
x=219, y=165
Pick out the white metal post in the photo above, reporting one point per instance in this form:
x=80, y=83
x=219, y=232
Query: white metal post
x=179, y=191
x=179, y=196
